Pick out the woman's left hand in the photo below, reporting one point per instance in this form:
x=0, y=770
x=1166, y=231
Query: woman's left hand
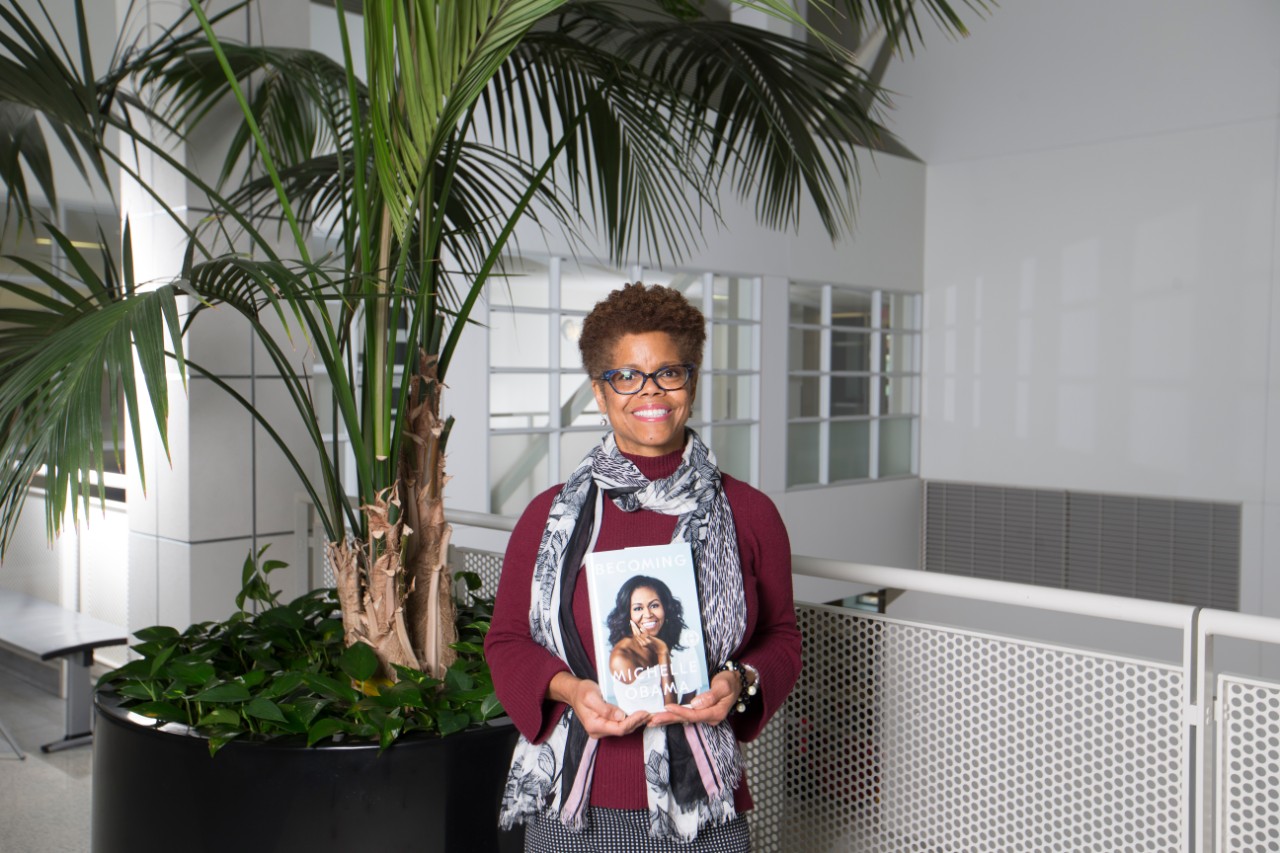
x=710, y=707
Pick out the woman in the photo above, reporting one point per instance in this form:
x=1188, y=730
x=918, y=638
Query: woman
x=644, y=631
x=586, y=775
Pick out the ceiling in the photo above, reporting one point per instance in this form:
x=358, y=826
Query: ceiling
x=1043, y=74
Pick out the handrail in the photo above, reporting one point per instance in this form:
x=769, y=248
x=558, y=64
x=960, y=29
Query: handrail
x=1244, y=626
x=1157, y=613
x=488, y=521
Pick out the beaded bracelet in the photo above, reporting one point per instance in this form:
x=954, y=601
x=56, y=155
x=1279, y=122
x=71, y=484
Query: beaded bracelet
x=746, y=692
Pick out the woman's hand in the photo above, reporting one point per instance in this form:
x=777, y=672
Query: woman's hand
x=650, y=645
x=638, y=652
x=710, y=707
x=597, y=716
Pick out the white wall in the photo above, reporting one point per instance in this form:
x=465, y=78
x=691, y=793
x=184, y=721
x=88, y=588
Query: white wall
x=1100, y=316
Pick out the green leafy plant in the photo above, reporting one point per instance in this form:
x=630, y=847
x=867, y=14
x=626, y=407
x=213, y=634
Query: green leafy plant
x=631, y=119
x=275, y=671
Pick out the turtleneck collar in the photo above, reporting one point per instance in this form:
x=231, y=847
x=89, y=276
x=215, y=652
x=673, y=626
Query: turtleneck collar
x=657, y=467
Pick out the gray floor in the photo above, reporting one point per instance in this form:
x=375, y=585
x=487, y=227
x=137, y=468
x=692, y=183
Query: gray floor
x=44, y=800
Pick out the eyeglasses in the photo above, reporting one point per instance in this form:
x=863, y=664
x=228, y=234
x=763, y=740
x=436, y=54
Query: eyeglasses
x=628, y=380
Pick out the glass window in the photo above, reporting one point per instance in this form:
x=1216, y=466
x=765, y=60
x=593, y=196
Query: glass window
x=518, y=340
x=854, y=386
x=850, y=450
x=732, y=298
x=574, y=446
x=518, y=400
x=851, y=308
x=900, y=311
x=851, y=351
x=806, y=349
x=521, y=284
x=896, y=443
x=731, y=398
x=577, y=401
x=806, y=304
x=900, y=395
x=804, y=397
x=900, y=352
x=732, y=447
x=581, y=286
x=802, y=454
x=518, y=470
x=732, y=347
x=850, y=395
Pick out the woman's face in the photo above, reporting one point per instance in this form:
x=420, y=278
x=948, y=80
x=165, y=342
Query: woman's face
x=647, y=611
x=651, y=422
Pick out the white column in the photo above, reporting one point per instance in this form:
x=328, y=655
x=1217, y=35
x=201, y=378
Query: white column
x=224, y=490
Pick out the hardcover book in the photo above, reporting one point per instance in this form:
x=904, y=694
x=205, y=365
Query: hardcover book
x=648, y=626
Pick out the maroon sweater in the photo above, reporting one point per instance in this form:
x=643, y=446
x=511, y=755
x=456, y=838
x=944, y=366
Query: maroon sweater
x=522, y=669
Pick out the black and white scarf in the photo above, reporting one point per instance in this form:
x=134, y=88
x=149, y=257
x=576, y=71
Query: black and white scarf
x=691, y=769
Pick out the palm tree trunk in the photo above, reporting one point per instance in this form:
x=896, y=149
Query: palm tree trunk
x=372, y=607
x=422, y=475
x=403, y=605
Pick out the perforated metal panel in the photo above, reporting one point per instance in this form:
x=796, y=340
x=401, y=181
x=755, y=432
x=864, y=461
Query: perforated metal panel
x=487, y=564
x=902, y=737
x=1248, y=793
x=766, y=765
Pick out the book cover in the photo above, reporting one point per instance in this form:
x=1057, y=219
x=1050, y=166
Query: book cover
x=648, y=626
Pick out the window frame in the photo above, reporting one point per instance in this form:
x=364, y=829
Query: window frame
x=883, y=329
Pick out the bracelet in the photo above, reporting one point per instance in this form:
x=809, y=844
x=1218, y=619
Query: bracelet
x=746, y=691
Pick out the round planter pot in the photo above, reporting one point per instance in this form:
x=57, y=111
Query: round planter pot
x=161, y=791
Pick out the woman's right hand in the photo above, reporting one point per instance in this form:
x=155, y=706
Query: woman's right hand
x=597, y=716
x=650, y=645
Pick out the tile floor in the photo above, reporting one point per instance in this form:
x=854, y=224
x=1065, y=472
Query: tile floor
x=44, y=800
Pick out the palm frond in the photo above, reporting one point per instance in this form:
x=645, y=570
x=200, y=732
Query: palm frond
x=66, y=352
x=38, y=78
x=665, y=109
x=437, y=56
x=902, y=17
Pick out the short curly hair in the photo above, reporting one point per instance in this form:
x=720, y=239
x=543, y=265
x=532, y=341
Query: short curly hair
x=634, y=309
x=619, y=619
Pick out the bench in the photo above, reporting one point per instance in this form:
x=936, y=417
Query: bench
x=45, y=631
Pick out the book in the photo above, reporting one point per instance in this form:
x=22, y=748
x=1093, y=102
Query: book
x=647, y=626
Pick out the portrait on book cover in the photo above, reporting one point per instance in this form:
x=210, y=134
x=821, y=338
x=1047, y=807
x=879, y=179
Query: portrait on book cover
x=651, y=640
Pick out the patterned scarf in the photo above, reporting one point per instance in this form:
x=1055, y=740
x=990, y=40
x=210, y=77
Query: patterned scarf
x=691, y=769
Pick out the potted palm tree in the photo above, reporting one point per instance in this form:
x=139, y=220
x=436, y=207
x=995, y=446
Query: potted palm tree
x=630, y=118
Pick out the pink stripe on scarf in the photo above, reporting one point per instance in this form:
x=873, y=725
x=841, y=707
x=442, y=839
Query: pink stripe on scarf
x=573, y=810
x=706, y=768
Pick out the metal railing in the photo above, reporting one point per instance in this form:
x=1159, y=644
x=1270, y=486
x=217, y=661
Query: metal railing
x=909, y=735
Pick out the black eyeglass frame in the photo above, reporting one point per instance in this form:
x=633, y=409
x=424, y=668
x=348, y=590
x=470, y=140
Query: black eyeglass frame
x=607, y=377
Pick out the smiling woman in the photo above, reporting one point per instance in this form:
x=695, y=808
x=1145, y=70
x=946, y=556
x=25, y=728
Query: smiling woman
x=649, y=397
x=587, y=772
x=644, y=630
x=641, y=348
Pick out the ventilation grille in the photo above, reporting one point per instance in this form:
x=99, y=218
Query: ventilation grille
x=1185, y=552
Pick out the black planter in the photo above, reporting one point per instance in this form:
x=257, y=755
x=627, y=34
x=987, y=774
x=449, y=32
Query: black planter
x=157, y=791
